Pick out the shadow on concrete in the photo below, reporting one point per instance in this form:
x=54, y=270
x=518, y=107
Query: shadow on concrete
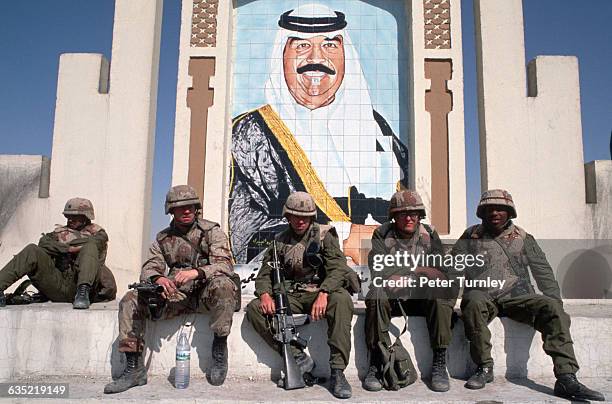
x=517, y=342
x=362, y=361
x=530, y=384
x=265, y=354
x=117, y=360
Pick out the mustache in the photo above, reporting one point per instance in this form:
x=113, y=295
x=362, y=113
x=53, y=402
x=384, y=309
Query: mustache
x=315, y=67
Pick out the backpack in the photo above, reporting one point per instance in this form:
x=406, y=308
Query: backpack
x=398, y=370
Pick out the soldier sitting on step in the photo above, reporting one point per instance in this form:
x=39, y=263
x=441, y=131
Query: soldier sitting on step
x=509, y=255
x=191, y=261
x=67, y=265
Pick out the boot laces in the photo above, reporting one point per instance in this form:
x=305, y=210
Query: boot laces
x=82, y=290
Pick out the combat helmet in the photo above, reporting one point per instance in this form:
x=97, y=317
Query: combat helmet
x=406, y=200
x=496, y=197
x=181, y=195
x=300, y=204
x=79, y=206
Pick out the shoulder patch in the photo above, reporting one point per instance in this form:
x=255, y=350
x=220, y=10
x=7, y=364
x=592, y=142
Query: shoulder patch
x=162, y=234
x=384, y=229
x=522, y=233
x=207, y=225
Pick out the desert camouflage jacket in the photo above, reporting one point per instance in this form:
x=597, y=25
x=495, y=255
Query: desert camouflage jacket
x=203, y=246
x=58, y=241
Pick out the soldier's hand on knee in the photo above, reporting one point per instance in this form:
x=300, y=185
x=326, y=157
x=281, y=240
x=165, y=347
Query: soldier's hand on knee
x=267, y=305
x=168, y=285
x=185, y=276
x=319, y=307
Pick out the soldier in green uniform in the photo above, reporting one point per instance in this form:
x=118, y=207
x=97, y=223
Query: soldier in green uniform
x=508, y=254
x=406, y=233
x=67, y=265
x=191, y=260
x=319, y=293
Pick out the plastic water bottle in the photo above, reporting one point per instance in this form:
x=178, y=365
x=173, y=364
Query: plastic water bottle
x=183, y=356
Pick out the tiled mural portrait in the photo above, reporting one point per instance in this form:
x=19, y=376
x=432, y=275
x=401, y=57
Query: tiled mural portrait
x=320, y=104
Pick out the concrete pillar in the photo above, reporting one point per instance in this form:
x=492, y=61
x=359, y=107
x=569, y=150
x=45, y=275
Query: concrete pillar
x=530, y=138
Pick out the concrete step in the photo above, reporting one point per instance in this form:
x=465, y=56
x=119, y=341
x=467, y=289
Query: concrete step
x=53, y=339
x=160, y=389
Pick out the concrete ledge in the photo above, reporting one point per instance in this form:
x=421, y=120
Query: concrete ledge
x=54, y=340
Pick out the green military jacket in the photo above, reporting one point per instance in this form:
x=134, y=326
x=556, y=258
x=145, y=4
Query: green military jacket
x=290, y=248
x=204, y=246
x=522, y=254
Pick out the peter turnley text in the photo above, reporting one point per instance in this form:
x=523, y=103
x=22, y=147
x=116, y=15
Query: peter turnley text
x=461, y=281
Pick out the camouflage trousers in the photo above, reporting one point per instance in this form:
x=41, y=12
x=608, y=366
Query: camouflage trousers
x=437, y=312
x=216, y=298
x=58, y=286
x=543, y=313
x=339, y=316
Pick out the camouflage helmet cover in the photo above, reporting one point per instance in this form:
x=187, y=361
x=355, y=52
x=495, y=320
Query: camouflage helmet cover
x=498, y=197
x=79, y=206
x=300, y=204
x=406, y=200
x=181, y=195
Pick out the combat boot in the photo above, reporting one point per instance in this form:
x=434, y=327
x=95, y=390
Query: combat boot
x=439, y=375
x=567, y=386
x=372, y=381
x=2, y=299
x=339, y=386
x=81, y=299
x=304, y=362
x=218, y=370
x=482, y=376
x=135, y=374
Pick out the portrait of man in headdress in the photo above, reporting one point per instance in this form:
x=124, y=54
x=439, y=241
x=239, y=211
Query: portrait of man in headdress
x=316, y=132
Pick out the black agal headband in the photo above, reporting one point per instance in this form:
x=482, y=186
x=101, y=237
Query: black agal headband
x=312, y=24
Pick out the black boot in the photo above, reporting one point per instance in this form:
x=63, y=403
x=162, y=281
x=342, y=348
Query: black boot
x=81, y=299
x=339, y=386
x=567, y=386
x=372, y=379
x=483, y=375
x=218, y=370
x=2, y=299
x=439, y=375
x=304, y=362
x=135, y=374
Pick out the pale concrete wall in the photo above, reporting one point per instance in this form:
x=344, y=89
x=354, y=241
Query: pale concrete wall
x=22, y=213
x=421, y=124
x=218, y=134
x=53, y=339
x=531, y=138
x=599, y=197
x=103, y=140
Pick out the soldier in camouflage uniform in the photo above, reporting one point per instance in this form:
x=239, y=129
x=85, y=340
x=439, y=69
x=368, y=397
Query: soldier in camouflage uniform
x=67, y=265
x=508, y=254
x=318, y=292
x=191, y=260
x=406, y=233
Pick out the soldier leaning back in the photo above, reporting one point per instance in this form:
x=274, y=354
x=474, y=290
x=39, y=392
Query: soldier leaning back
x=197, y=253
x=68, y=263
x=510, y=253
x=319, y=293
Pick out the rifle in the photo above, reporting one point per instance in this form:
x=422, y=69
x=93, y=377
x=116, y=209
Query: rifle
x=285, y=326
x=151, y=295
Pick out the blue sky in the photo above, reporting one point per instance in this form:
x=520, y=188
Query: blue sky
x=33, y=34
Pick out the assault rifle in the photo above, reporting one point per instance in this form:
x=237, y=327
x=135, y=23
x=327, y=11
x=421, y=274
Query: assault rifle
x=151, y=295
x=285, y=326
